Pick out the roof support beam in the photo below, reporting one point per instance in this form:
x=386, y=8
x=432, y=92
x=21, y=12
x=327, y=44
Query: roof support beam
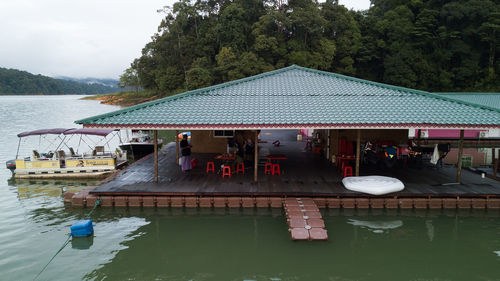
x=155, y=143
x=255, y=156
x=495, y=167
x=177, y=147
x=358, y=151
x=460, y=151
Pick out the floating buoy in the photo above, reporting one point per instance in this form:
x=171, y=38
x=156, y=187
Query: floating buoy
x=82, y=228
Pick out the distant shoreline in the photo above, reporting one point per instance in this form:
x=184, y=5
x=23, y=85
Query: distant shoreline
x=124, y=98
x=51, y=95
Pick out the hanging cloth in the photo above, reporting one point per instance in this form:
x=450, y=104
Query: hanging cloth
x=435, y=155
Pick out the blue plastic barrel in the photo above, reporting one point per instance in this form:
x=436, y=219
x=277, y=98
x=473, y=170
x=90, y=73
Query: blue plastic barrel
x=82, y=228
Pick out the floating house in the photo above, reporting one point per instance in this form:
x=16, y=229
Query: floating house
x=341, y=110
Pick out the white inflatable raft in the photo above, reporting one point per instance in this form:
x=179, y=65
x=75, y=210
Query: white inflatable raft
x=376, y=185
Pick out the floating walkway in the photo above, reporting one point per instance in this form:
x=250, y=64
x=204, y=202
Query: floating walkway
x=304, y=219
x=86, y=198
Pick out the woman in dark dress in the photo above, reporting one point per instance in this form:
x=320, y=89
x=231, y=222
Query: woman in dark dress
x=186, y=154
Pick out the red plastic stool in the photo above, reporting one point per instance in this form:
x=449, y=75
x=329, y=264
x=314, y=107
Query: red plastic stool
x=240, y=168
x=347, y=171
x=210, y=167
x=276, y=169
x=226, y=171
x=268, y=168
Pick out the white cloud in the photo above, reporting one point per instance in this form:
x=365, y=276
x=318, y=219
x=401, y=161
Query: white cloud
x=356, y=4
x=76, y=38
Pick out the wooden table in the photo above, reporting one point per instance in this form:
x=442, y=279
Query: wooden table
x=344, y=158
x=271, y=157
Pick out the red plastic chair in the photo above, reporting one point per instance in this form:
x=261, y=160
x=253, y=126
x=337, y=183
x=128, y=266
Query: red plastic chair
x=347, y=171
x=240, y=168
x=226, y=171
x=268, y=169
x=276, y=169
x=210, y=167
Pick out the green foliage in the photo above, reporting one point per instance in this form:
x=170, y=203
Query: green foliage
x=129, y=78
x=16, y=82
x=450, y=45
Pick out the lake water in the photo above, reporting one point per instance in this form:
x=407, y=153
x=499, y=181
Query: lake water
x=191, y=244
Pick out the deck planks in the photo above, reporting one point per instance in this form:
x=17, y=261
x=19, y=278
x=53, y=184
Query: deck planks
x=304, y=174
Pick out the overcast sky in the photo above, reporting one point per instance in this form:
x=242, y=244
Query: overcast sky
x=82, y=38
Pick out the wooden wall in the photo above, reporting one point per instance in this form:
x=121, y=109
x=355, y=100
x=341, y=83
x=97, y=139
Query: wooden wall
x=204, y=142
x=400, y=136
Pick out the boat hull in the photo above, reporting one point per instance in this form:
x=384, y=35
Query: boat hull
x=138, y=149
x=94, y=172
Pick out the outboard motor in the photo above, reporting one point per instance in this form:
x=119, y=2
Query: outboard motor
x=11, y=165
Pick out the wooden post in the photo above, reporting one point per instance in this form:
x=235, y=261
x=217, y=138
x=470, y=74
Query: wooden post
x=495, y=167
x=460, y=151
x=255, y=156
x=177, y=147
x=329, y=144
x=155, y=143
x=358, y=151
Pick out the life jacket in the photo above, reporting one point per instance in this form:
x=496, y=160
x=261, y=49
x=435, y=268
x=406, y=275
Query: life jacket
x=390, y=153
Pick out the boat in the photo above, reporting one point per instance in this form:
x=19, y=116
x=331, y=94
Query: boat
x=375, y=185
x=139, y=144
x=60, y=160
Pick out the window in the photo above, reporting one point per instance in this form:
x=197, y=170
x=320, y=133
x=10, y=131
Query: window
x=223, y=133
x=466, y=160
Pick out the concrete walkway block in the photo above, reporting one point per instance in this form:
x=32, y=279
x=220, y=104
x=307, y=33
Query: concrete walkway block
x=205, y=202
x=148, y=201
x=163, y=201
x=299, y=234
x=234, y=202
x=177, y=201
x=121, y=201
x=297, y=222
x=377, y=203
x=316, y=223
x=333, y=203
x=318, y=234
x=191, y=202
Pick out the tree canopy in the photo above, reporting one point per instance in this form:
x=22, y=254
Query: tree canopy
x=429, y=45
x=16, y=82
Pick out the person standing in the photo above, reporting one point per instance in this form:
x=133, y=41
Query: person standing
x=186, y=154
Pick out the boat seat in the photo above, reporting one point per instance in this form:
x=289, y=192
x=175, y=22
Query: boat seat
x=99, y=150
x=61, y=154
x=72, y=151
x=36, y=154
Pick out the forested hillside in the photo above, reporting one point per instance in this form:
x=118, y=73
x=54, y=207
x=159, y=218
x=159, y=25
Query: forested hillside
x=435, y=45
x=24, y=83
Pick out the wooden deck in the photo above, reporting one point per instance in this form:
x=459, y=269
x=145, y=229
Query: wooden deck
x=303, y=174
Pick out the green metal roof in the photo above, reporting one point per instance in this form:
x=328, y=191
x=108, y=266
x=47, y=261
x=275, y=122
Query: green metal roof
x=486, y=99
x=296, y=96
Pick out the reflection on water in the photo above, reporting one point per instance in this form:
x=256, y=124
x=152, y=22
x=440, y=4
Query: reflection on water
x=30, y=188
x=220, y=244
x=82, y=243
x=376, y=226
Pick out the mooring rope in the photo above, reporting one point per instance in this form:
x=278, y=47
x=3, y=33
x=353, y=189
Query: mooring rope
x=97, y=203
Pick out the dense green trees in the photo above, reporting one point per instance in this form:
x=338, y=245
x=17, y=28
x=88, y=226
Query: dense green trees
x=21, y=82
x=435, y=45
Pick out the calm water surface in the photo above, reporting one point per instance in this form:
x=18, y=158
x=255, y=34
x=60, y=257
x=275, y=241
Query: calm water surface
x=177, y=244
